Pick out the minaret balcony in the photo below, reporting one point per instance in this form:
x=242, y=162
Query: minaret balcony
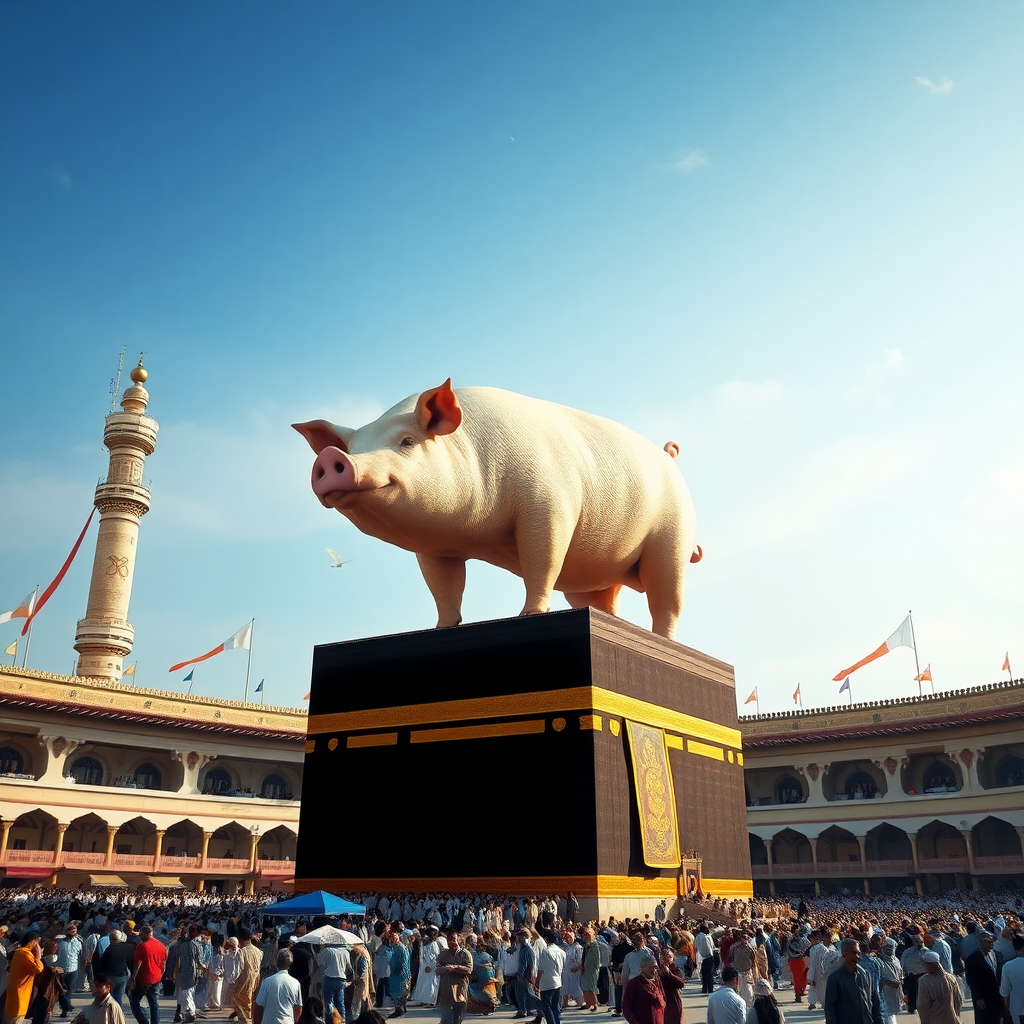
x=109, y=496
x=128, y=429
x=107, y=634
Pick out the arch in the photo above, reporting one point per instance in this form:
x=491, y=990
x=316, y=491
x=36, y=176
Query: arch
x=182, y=839
x=789, y=790
x=888, y=842
x=276, y=787
x=939, y=839
x=87, y=771
x=86, y=834
x=758, y=851
x=933, y=772
x=217, y=781
x=837, y=845
x=853, y=780
x=147, y=776
x=994, y=837
x=12, y=760
x=230, y=842
x=33, y=830
x=791, y=847
x=277, y=844
x=1010, y=771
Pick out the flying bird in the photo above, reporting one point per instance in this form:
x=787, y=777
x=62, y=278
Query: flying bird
x=336, y=558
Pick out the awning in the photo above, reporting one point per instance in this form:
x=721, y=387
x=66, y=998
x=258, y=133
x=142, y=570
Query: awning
x=164, y=882
x=28, y=871
x=114, y=880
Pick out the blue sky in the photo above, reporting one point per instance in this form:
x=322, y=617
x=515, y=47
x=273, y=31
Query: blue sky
x=787, y=235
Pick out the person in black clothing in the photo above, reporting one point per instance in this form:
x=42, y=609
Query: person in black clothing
x=984, y=970
x=301, y=968
x=618, y=955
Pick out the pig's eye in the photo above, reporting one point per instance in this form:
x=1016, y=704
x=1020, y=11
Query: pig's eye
x=408, y=442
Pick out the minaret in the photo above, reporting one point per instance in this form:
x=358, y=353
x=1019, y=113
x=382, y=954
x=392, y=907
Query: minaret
x=104, y=637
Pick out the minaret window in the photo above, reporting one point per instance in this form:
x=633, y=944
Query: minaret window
x=87, y=771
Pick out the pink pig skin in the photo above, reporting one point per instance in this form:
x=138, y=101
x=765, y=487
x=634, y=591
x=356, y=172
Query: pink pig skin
x=566, y=500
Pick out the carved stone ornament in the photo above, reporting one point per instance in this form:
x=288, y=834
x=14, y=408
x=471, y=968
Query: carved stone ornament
x=812, y=770
x=891, y=765
x=192, y=760
x=967, y=756
x=59, y=745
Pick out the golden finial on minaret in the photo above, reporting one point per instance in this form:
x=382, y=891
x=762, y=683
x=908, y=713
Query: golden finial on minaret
x=139, y=374
x=104, y=637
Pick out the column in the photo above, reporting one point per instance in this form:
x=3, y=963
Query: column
x=862, y=843
x=1019, y=829
x=918, y=884
x=969, y=843
x=158, y=853
x=206, y=846
x=254, y=842
x=813, y=775
x=58, y=750
x=59, y=847
x=5, y=828
x=193, y=763
x=111, y=834
x=867, y=886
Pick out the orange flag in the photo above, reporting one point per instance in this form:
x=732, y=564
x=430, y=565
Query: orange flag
x=1006, y=662
x=753, y=696
x=925, y=676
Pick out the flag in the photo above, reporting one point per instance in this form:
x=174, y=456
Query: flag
x=13, y=649
x=23, y=611
x=846, y=685
x=48, y=592
x=129, y=671
x=753, y=696
x=188, y=678
x=796, y=694
x=1006, y=660
x=307, y=695
x=925, y=676
x=239, y=640
x=903, y=637
x=259, y=689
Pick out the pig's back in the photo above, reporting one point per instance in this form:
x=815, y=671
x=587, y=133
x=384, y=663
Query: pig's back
x=621, y=484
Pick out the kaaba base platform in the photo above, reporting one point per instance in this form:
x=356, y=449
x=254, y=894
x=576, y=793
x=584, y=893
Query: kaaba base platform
x=567, y=752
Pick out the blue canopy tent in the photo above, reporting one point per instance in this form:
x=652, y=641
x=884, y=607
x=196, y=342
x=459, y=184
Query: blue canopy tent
x=312, y=904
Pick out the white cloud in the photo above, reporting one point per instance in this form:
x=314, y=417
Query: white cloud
x=875, y=375
x=688, y=160
x=61, y=178
x=740, y=396
x=941, y=88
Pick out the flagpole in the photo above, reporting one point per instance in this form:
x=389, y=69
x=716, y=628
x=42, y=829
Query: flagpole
x=1008, y=669
x=917, y=664
x=248, y=667
x=191, y=681
x=28, y=638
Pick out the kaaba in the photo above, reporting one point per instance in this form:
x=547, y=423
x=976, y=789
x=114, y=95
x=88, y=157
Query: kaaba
x=566, y=752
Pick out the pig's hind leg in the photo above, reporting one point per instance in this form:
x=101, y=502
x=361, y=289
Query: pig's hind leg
x=446, y=578
x=662, y=572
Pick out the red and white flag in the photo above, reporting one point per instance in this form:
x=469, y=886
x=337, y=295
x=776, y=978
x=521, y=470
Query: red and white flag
x=55, y=583
x=242, y=639
x=903, y=637
x=23, y=611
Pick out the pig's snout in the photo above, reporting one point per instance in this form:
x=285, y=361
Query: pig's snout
x=333, y=471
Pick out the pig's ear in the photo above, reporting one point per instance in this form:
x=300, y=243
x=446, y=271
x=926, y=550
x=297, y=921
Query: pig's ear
x=320, y=434
x=438, y=410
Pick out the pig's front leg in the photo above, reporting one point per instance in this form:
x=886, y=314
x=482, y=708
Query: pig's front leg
x=542, y=540
x=446, y=578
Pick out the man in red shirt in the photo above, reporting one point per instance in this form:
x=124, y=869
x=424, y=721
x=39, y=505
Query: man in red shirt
x=147, y=973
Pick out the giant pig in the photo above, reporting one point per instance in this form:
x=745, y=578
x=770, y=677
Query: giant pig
x=566, y=500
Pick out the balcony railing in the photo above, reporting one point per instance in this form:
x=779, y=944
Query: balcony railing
x=36, y=858
x=82, y=860
x=942, y=864
x=138, y=861
x=74, y=858
x=1007, y=862
x=829, y=869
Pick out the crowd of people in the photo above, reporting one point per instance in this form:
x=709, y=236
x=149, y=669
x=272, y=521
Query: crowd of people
x=853, y=959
